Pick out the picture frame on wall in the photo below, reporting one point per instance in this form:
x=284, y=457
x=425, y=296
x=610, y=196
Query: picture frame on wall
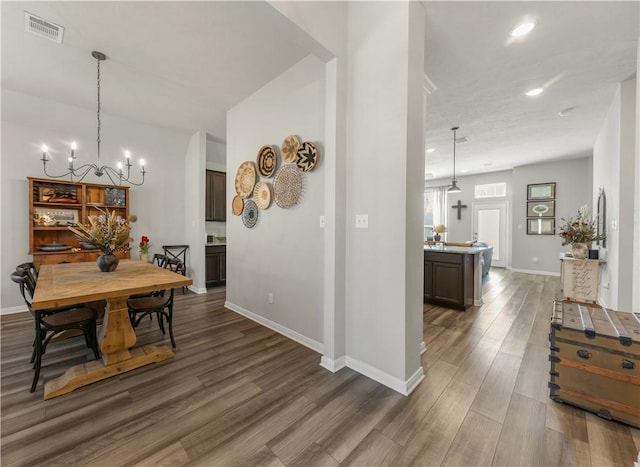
x=542, y=208
x=541, y=226
x=541, y=191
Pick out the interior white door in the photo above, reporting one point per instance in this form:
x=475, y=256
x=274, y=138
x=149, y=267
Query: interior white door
x=490, y=226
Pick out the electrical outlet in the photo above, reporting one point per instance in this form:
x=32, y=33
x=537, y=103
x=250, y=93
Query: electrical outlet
x=322, y=222
x=362, y=221
x=270, y=297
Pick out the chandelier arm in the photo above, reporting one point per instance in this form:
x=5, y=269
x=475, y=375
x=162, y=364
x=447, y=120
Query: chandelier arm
x=87, y=168
x=106, y=169
x=55, y=176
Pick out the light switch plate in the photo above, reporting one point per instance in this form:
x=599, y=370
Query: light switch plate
x=322, y=222
x=362, y=221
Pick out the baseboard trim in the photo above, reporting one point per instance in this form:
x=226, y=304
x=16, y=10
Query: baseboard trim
x=423, y=347
x=198, y=290
x=333, y=365
x=403, y=387
x=291, y=334
x=9, y=310
x=540, y=273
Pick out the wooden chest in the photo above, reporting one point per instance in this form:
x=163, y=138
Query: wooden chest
x=595, y=360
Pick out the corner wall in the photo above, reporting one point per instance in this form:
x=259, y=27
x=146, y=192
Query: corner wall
x=283, y=254
x=614, y=167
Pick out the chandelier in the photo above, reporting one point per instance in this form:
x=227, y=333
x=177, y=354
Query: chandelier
x=454, y=188
x=117, y=176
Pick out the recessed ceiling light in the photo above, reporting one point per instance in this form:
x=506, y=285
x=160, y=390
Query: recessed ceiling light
x=565, y=112
x=431, y=149
x=523, y=29
x=488, y=164
x=534, y=92
x=464, y=171
x=428, y=175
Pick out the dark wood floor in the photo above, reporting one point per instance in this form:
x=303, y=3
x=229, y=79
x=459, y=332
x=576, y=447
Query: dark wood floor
x=239, y=394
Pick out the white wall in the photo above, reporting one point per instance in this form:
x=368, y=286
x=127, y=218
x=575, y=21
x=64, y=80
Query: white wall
x=573, y=189
x=283, y=253
x=384, y=180
x=29, y=121
x=462, y=230
x=613, y=169
x=194, y=206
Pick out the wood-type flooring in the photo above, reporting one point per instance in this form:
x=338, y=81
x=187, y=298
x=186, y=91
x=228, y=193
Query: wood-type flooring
x=237, y=393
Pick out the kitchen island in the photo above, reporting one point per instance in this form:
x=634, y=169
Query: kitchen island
x=453, y=275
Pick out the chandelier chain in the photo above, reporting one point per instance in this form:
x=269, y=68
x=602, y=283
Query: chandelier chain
x=98, y=139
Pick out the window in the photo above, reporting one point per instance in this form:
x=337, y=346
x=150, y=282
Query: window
x=435, y=213
x=491, y=190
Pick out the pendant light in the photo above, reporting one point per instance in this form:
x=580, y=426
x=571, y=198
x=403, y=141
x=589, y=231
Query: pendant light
x=453, y=188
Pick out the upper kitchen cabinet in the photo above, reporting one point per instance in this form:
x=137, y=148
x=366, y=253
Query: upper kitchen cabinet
x=216, y=199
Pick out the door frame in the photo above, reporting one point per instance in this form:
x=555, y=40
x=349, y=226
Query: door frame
x=502, y=204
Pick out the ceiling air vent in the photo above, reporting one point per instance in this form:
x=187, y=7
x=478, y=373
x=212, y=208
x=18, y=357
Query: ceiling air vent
x=43, y=28
x=462, y=139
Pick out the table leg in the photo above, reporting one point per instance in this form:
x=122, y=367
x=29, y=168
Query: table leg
x=477, y=280
x=116, y=339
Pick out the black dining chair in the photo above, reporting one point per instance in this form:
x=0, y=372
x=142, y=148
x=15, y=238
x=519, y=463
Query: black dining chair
x=179, y=253
x=53, y=321
x=160, y=303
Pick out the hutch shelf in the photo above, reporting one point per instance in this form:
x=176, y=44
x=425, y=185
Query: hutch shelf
x=56, y=204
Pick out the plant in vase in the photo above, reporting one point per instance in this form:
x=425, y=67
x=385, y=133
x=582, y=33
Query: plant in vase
x=579, y=232
x=144, y=248
x=107, y=232
x=439, y=229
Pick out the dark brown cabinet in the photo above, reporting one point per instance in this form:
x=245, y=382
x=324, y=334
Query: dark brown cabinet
x=216, y=196
x=448, y=279
x=216, y=265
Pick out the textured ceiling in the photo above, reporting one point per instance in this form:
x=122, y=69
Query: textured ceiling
x=579, y=52
x=183, y=64
x=173, y=64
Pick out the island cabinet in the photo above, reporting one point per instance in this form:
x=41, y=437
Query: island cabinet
x=54, y=205
x=448, y=279
x=216, y=196
x=216, y=264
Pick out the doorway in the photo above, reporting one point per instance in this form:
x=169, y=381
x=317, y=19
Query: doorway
x=490, y=226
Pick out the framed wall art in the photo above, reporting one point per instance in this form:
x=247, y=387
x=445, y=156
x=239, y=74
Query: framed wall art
x=542, y=208
x=541, y=226
x=541, y=191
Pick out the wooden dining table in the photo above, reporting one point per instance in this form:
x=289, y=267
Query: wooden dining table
x=76, y=283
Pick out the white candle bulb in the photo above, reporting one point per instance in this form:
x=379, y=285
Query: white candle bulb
x=74, y=145
x=127, y=154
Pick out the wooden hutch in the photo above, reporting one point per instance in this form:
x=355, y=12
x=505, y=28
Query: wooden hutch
x=56, y=204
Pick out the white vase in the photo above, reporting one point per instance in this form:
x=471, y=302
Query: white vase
x=579, y=250
x=144, y=257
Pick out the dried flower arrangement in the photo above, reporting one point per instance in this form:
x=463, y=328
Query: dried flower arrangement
x=440, y=229
x=107, y=232
x=582, y=229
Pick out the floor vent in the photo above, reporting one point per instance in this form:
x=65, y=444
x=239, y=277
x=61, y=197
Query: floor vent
x=43, y=28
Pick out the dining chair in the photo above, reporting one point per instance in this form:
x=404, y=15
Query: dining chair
x=54, y=321
x=159, y=303
x=179, y=253
x=177, y=266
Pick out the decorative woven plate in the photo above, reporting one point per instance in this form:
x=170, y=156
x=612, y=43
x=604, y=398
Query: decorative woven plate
x=250, y=214
x=266, y=161
x=262, y=195
x=287, y=186
x=290, y=147
x=307, y=157
x=237, y=205
x=245, y=179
